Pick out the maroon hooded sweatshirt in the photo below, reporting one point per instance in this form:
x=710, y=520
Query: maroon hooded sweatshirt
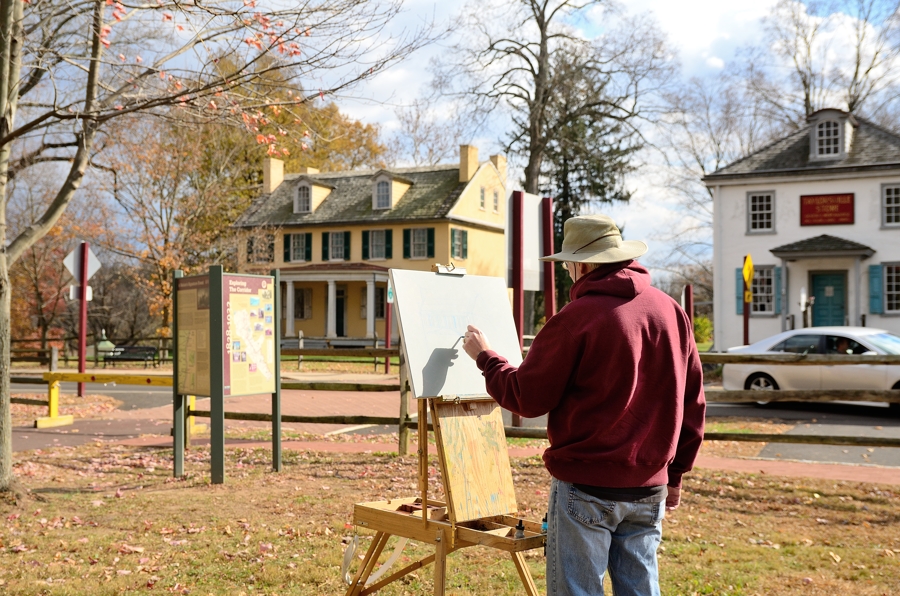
x=618, y=372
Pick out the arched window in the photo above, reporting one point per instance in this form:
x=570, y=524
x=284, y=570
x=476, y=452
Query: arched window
x=383, y=195
x=828, y=138
x=304, y=204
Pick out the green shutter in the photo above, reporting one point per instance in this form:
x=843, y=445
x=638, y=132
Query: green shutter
x=250, y=258
x=465, y=243
x=346, y=246
x=430, y=243
x=308, y=249
x=739, y=290
x=777, y=275
x=875, y=290
x=287, y=248
x=365, y=245
x=407, y=242
x=388, y=244
x=324, y=246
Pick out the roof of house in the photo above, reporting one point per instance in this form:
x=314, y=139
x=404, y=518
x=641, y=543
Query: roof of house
x=820, y=245
x=872, y=147
x=433, y=192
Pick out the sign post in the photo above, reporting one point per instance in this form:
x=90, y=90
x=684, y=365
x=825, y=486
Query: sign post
x=226, y=345
x=82, y=263
x=748, y=296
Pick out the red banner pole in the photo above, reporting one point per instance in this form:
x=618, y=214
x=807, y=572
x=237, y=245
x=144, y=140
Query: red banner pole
x=518, y=247
x=549, y=269
x=82, y=314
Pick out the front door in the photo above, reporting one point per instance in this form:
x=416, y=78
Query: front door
x=830, y=306
x=339, y=307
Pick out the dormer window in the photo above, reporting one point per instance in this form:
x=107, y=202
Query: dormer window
x=303, y=202
x=383, y=195
x=828, y=138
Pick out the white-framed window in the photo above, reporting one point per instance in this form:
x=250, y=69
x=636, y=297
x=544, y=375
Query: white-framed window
x=760, y=212
x=496, y=202
x=376, y=244
x=303, y=303
x=298, y=247
x=892, y=288
x=828, y=138
x=336, y=241
x=383, y=194
x=763, y=291
x=304, y=199
x=890, y=205
x=481, y=199
x=379, y=302
x=419, y=243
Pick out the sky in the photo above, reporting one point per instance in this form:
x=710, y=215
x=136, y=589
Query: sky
x=705, y=35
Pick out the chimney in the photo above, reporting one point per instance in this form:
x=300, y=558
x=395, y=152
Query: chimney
x=468, y=162
x=308, y=170
x=499, y=162
x=273, y=174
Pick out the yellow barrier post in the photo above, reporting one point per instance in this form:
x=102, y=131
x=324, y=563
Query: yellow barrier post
x=53, y=418
x=191, y=426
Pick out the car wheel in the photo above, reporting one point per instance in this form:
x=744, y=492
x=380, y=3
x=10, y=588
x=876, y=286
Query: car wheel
x=760, y=382
x=895, y=406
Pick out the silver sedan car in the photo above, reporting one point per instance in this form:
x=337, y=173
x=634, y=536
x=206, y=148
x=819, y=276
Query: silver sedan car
x=818, y=340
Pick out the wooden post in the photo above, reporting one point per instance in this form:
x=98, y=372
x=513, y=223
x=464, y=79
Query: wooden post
x=178, y=400
x=440, y=563
x=403, y=447
x=276, y=397
x=423, y=456
x=216, y=376
x=54, y=358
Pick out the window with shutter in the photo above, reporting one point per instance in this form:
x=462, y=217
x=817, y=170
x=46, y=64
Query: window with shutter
x=419, y=246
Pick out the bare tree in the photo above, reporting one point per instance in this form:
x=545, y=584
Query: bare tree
x=69, y=71
x=429, y=131
x=508, y=62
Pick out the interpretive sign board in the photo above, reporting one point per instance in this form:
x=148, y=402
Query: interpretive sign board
x=193, y=335
x=249, y=306
x=823, y=210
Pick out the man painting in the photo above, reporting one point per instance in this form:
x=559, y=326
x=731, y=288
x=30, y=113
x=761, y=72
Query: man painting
x=618, y=373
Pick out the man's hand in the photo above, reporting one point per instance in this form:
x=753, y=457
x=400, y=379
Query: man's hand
x=475, y=342
x=673, y=498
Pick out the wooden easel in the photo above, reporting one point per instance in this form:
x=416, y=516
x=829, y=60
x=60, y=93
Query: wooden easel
x=480, y=507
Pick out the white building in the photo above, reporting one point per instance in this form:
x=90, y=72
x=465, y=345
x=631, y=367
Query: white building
x=819, y=212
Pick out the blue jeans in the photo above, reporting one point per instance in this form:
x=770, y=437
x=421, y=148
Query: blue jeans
x=587, y=535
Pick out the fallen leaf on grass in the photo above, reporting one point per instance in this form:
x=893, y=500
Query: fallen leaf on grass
x=127, y=549
x=837, y=558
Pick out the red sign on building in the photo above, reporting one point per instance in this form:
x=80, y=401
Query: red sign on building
x=822, y=210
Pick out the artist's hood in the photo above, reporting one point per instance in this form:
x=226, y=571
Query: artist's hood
x=626, y=279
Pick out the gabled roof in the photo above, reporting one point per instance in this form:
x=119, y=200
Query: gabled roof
x=433, y=192
x=823, y=245
x=871, y=147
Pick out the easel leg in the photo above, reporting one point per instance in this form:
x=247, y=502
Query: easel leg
x=524, y=574
x=440, y=563
x=368, y=563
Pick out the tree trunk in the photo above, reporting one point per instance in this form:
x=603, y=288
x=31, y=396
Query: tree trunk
x=6, y=475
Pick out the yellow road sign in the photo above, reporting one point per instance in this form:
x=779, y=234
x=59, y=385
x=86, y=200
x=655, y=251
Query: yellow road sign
x=748, y=271
x=748, y=296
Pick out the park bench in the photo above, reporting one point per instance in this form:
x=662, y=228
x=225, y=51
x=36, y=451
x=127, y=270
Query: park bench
x=145, y=354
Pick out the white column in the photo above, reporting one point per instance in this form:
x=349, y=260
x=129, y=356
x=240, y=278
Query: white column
x=370, y=309
x=289, y=309
x=331, y=325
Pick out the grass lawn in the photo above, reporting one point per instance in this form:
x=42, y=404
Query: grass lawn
x=103, y=519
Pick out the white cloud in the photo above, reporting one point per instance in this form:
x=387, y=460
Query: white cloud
x=715, y=62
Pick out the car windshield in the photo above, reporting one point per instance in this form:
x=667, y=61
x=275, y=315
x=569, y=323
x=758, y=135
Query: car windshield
x=888, y=342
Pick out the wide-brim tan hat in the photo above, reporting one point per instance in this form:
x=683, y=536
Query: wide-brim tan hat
x=595, y=239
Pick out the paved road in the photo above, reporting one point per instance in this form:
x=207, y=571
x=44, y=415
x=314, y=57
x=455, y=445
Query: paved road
x=856, y=419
